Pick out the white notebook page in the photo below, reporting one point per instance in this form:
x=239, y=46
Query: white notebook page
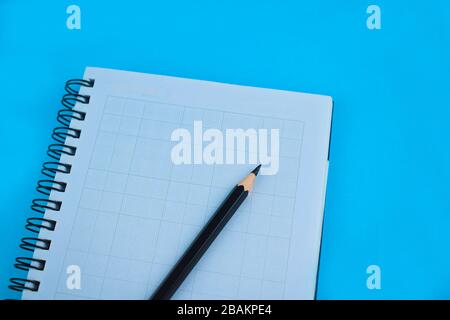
x=129, y=212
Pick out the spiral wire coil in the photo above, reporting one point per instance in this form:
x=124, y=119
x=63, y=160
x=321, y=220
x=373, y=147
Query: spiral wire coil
x=49, y=184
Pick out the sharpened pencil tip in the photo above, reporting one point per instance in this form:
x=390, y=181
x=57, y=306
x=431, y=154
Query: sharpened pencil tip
x=256, y=170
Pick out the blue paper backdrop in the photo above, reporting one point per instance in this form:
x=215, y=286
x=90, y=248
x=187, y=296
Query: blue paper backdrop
x=388, y=197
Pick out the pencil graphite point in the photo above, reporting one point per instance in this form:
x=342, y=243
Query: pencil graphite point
x=256, y=170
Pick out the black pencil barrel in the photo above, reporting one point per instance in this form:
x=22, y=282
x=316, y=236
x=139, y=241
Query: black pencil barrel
x=201, y=243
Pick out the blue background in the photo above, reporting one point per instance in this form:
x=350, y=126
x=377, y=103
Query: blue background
x=388, y=197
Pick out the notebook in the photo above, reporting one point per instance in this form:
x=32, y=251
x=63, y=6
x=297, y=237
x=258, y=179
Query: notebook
x=123, y=192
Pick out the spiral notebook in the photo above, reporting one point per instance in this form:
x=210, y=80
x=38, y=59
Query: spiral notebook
x=118, y=205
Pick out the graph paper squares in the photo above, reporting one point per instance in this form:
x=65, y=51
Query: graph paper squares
x=138, y=211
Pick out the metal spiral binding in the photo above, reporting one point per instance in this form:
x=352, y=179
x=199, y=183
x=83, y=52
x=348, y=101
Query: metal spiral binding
x=45, y=186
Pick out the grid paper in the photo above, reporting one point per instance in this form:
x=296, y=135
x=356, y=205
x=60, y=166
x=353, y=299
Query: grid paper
x=138, y=212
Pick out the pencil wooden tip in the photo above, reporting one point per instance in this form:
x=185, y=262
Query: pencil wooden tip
x=248, y=181
x=256, y=170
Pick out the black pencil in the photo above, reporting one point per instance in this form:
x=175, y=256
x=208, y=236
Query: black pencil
x=204, y=239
